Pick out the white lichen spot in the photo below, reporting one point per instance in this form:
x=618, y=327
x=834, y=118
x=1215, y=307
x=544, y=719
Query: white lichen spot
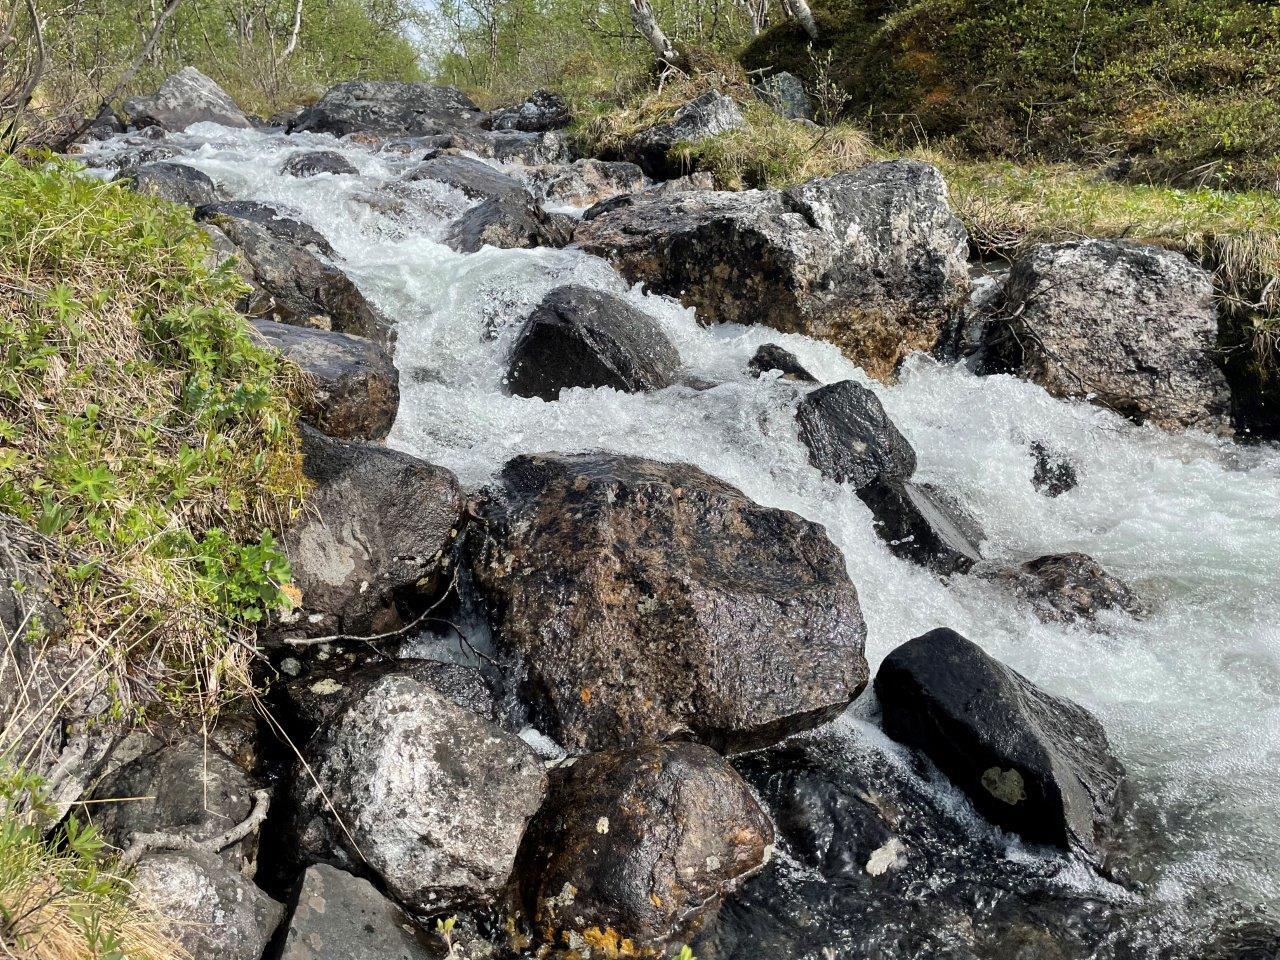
x=326, y=687
x=891, y=856
x=602, y=825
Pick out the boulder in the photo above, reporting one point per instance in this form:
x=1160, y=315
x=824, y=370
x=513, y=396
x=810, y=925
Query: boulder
x=474, y=178
x=1071, y=586
x=312, y=163
x=771, y=357
x=428, y=797
x=650, y=599
x=369, y=548
x=580, y=337
x=338, y=916
x=175, y=182
x=585, y=182
x=508, y=222
x=924, y=525
x=388, y=109
x=184, y=98
x=135, y=151
x=785, y=94
x=212, y=909
x=1131, y=327
x=542, y=110
x=636, y=847
x=873, y=261
x=276, y=220
x=529, y=149
x=106, y=124
x=1035, y=764
x=1053, y=473
x=351, y=388
x=705, y=116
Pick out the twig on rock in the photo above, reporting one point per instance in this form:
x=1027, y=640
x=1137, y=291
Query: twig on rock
x=145, y=842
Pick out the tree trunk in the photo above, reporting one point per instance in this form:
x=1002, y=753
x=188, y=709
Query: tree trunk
x=646, y=25
x=799, y=9
x=293, y=35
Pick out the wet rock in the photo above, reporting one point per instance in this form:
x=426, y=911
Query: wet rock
x=105, y=125
x=1130, y=327
x=214, y=911
x=368, y=551
x=635, y=848
x=850, y=438
x=352, y=387
x=388, y=109
x=649, y=599
x=585, y=182
x=1071, y=586
x=184, y=98
x=508, y=222
x=135, y=152
x=175, y=182
x=873, y=261
x=276, y=220
x=432, y=799
x=1035, y=764
x=474, y=178
x=705, y=116
x=786, y=96
x=771, y=357
x=338, y=916
x=924, y=525
x=1053, y=474
x=530, y=149
x=315, y=162
x=187, y=787
x=542, y=110
x=580, y=337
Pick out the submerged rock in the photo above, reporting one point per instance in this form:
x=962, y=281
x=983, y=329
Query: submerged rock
x=508, y=222
x=770, y=357
x=1071, y=586
x=704, y=116
x=175, y=182
x=315, y=162
x=542, y=110
x=388, y=109
x=1054, y=474
x=428, y=797
x=635, y=848
x=1037, y=765
x=649, y=599
x=1130, y=327
x=352, y=387
x=184, y=98
x=580, y=337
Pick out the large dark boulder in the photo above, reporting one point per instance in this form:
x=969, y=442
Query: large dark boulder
x=580, y=337
x=585, y=182
x=873, y=261
x=473, y=178
x=508, y=222
x=388, y=109
x=1063, y=587
x=351, y=389
x=542, y=110
x=312, y=163
x=429, y=798
x=1035, y=764
x=184, y=98
x=635, y=848
x=1130, y=327
x=924, y=525
x=369, y=548
x=175, y=182
x=649, y=599
x=705, y=116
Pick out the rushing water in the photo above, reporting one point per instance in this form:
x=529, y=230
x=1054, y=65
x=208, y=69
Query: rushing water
x=1190, y=697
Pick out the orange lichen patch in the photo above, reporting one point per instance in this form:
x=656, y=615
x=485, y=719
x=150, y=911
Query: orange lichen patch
x=585, y=695
x=609, y=942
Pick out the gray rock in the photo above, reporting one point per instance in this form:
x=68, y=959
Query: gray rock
x=850, y=438
x=214, y=911
x=352, y=388
x=1130, y=327
x=508, y=222
x=873, y=261
x=341, y=917
x=432, y=799
x=580, y=337
x=786, y=96
x=315, y=162
x=1035, y=764
x=771, y=357
x=1071, y=586
x=529, y=149
x=705, y=116
x=372, y=541
x=542, y=110
x=175, y=182
x=649, y=600
x=277, y=220
x=474, y=178
x=643, y=844
x=388, y=109
x=186, y=97
x=585, y=182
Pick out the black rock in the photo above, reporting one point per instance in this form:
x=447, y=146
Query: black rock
x=508, y=222
x=1071, y=586
x=543, y=110
x=1037, y=765
x=770, y=356
x=922, y=524
x=850, y=437
x=175, y=182
x=579, y=337
x=1054, y=474
x=315, y=162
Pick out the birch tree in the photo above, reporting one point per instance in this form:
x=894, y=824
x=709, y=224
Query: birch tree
x=800, y=12
x=646, y=25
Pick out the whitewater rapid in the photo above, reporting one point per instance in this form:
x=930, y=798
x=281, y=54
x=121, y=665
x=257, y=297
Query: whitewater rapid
x=1190, y=697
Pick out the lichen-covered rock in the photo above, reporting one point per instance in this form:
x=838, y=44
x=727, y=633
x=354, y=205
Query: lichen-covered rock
x=508, y=222
x=175, y=182
x=529, y=149
x=1130, y=327
x=704, y=116
x=213, y=911
x=873, y=261
x=473, y=178
x=786, y=96
x=580, y=337
x=352, y=388
x=649, y=599
x=542, y=110
x=771, y=357
x=1071, y=586
x=1032, y=763
x=428, y=797
x=184, y=98
x=585, y=182
x=388, y=109
x=635, y=848
x=312, y=163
